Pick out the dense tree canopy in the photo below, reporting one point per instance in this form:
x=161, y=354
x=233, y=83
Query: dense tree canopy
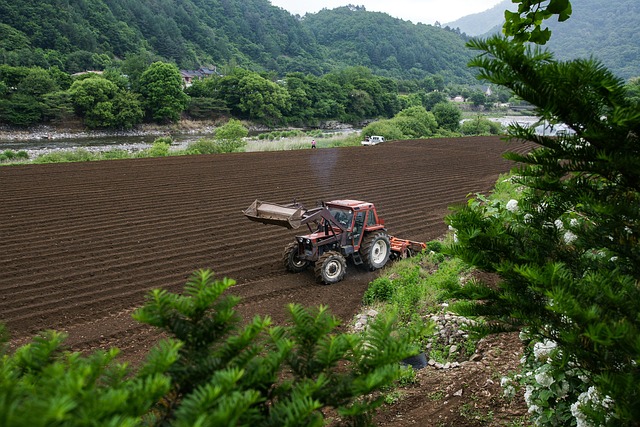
x=161, y=90
x=80, y=35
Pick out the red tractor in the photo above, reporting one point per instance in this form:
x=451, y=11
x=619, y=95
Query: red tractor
x=338, y=230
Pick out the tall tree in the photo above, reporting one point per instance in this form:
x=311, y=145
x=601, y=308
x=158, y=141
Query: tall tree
x=162, y=94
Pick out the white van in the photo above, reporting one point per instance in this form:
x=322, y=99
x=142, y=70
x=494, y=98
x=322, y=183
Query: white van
x=372, y=140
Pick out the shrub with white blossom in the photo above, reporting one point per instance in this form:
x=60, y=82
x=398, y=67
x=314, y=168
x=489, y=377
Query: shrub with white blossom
x=567, y=252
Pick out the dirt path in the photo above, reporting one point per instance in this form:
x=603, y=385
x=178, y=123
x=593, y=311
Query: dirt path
x=83, y=243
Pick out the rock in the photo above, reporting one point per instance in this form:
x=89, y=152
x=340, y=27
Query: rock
x=475, y=356
x=458, y=393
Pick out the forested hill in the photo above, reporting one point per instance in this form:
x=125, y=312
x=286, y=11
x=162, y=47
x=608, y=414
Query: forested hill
x=604, y=29
x=87, y=34
x=188, y=32
x=388, y=45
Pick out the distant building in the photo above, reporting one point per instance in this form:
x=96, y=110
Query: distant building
x=458, y=99
x=188, y=76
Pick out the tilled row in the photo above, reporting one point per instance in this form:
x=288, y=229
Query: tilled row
x=87, y=241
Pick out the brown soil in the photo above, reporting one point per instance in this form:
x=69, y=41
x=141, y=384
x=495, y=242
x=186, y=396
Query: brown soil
x=83, y=243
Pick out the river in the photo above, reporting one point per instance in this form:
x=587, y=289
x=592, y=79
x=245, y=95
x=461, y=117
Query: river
x=45, y=140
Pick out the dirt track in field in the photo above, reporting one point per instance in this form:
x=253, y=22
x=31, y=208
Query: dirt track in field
x=81, y=244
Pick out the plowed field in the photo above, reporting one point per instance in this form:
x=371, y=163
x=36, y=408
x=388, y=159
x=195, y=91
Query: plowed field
x=83, y=243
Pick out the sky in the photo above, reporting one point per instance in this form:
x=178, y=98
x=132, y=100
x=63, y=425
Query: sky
x=423, y=11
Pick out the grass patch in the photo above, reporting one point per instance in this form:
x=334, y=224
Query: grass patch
x=302, y=141
x=413, y=287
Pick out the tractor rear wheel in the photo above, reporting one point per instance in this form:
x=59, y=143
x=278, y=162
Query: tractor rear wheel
x=375, y=250
x=330, y=267
x=291, y=261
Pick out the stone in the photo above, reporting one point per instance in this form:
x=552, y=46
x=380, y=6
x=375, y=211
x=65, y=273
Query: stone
x=458, y=393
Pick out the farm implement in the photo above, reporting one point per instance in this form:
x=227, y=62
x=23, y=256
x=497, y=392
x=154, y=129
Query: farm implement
x=338, y=230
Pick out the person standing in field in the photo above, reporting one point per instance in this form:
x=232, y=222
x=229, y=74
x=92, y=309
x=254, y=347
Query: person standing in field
x=313, y=143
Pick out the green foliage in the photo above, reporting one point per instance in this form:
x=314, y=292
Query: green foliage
x=161, y=90
x=387, y=45
x=447, y=115
x=214, y=369
x=412, y=288
x=633, y=89
x=41, y=384
x=103, y=104
x=228, y=138
x=386, y=128
x=525, y=24
x=567, y=249
x=65, y=156
x=233, y=130
x=10, y=156
x=481, y=126
x=410, y=123
x=160, y=148
x=415, y=122
x=265, y=375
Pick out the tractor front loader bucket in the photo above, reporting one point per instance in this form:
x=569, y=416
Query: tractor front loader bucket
x=289, y=216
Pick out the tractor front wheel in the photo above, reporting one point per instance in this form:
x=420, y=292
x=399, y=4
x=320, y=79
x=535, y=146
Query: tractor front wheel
x=375, y=250
x=330, y=267
x=291, y=261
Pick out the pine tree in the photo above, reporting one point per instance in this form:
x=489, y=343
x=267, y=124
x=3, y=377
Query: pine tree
x=567, y=253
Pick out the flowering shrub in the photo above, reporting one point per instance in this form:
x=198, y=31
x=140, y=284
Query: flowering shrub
x=567, y=251
x=555, y=395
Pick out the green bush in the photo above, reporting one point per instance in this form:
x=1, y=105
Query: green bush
x=386, y=128
x=9, y=154
x=435, y=246
x=80, y=155
x=566, y=248
x=214, y=369
x=481, y=126
x=160, y=148
x=381, y=289
x=204, y=146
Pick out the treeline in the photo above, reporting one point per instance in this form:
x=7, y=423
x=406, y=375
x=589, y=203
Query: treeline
x=140, y=91
x=80, y=35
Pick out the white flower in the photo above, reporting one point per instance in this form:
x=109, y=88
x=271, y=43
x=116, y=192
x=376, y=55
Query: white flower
x=542, y=350
x=544, y=379
x=613, y=259
x=509, y=391
x=534, y=409
x=569, y=237
x=505, y=381
x=527, y=395
x=559, y=225
x=512, y=205
x=574, y=222
x=527, y=218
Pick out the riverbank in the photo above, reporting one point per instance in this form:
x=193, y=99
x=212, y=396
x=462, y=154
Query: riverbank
x=184, y=127
x=53, y=133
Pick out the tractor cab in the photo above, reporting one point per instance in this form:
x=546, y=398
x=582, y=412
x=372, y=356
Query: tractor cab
x=356, y=217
